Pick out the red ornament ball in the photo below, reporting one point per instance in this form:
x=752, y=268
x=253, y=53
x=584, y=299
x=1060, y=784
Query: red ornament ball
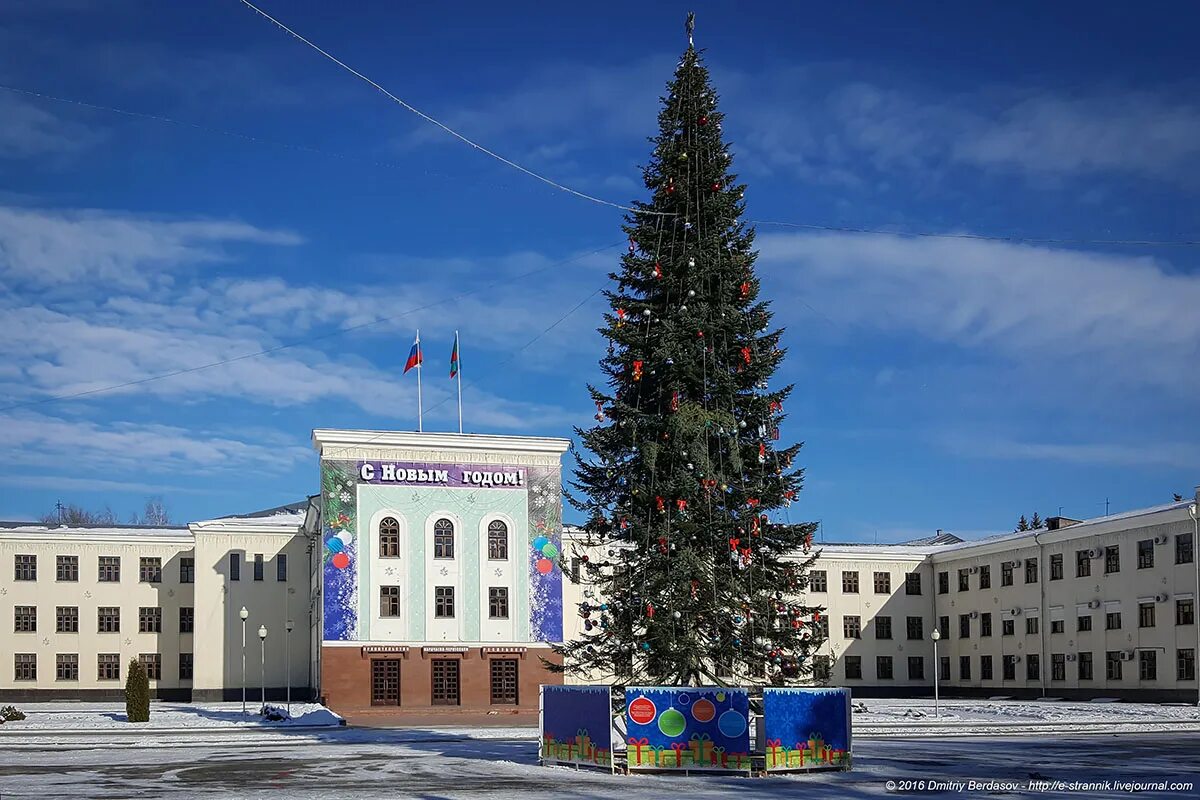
x=341, y=560
x=703, y=120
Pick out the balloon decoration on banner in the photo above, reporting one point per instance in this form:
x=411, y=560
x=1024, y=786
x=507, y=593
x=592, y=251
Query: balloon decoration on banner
x=547, y=551
x=337, y=545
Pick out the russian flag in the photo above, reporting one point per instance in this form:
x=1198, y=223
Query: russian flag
x=414, y=355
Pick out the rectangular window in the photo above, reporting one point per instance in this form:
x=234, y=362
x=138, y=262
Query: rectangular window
x=1183, y=548
x=1084, y=623
x=1147, y=665
x=66, y=667
x=1185, y=664
x=25, y=666
x=25, y=619
x=1058, y=666
x=821, y=670
x=504, y=681
x=443, y=602
x=149, y=620
x=1112, y=559
x=185, y=666
x=1031, y=570
x=1031, y=626
x=66, y=619
x=916, y=668
x=109, y=569
x=944, y=668
x=883, y=668
x=985, y=624
x=67, y=568
x=1057, y=626
x=985, y=576
x=445, y=681
x=850, y=581
x=964, y=626
x=389, y=601
x=25, y=568
x=1008, y=627
x=964, y=580
x=1185, y=612
x=1033, y=667
x=943, y=582
x=1083, y=563
x=389, y=539
x=985, y=668
x=443, y=539
x=852, y=627
x=823, y=627
x=883, y=583
x=1056, y=567
x=187, y=570
x=912, y=583
x=1085, y=666
x=1006, y=573
x=1112, y=665
x=575, y=566
x=1145, y=554
x=235, y=566
x=1145, y=615
x=853, y=667
x=187, y=619
x=281, y=567
x=916, y=628
x=883, y=627
x=153, y=664
x=817, y=581
x=258, y=567
x=150, y=570
x=108, y=619
x=964, y=668
x=498, y=602
x=1112, y=621
x=944, y=627
x=498, y=541
x=108, y=667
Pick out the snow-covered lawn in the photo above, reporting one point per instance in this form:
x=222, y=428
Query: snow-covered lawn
x=66, y=717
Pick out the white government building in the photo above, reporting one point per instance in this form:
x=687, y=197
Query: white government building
x=428, y=572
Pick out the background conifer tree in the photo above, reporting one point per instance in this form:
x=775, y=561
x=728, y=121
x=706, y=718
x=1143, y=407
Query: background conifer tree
x=137, y=693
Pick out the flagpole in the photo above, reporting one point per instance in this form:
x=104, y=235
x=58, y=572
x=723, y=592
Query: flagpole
x=458, y=370
x=419, y=360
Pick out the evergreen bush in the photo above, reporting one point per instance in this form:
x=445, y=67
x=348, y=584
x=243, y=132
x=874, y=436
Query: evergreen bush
x=137, y=693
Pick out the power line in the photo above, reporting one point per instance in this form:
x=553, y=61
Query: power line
x=982, y=237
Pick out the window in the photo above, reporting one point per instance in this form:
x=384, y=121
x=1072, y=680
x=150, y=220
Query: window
x=67, y=568
x=853, y=667
x=575, y=566
x=1183, y=548
x=66, y=667
x=1056, y=567
x=944, y=667
x=109, y=568
x=504, y=681
x=964, y=668
x=108, y=619
x=150, y=570
x=1185, y=664
x=1112, y=621
x=443, y=602
x=25, y=666
x=850, y=581
x=964, y=626
x=1145, y=615
x=985, y=624
x=912, y=583
x=185, y=666
x=1085, y=666
x=1112, y=665
x=389, y=538
x=985, y=576
x=66, y=619
x=943, y=582
x=915, y=629
x=187, y=570
x=153, y=664
x=281, y=567
x=883, y=668
x=497, y=541
x=1057, y=626
x=964, y=580
x=1008, y=627
x=443, y=539
x=985, y=668
x=817, y=581
x=187, y=619
x=1031, y=570
x=883, y=627
x=1185, y=612
x=389, y=601
x=821, y=671
x=1145, y=554
x=1031, y=626
x=149, y=620
x=852, y=627
x=498, y=602
x=944, y=627
x=25, y=568
x=258, y=566
x=108, y=667
x=235, y=566
x=1147, y=665
x=1083, y=563
x=1084, y=623
x=916, y=668
x=25, y=619
x=1033, y=667
x=1006, y=578
x=1112, y=559
x=883, y=583
x=445, y=681
x=1058, y=667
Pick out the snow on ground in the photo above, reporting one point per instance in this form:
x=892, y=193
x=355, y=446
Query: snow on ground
x=907, y=711
x=76, y=717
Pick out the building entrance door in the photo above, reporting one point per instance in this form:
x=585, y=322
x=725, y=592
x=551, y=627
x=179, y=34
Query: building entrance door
x=445, y=681
x=385, y=682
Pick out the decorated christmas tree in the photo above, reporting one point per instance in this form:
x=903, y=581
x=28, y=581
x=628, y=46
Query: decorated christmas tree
x=693, y=578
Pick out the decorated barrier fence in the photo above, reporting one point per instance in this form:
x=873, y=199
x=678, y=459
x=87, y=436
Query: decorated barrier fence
x=576, y=726
x=806, y=729
x=692, y=728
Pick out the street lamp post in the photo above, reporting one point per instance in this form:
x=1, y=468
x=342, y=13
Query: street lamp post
x=287, y=660
x=262, y=640
x=243, y=614
x=936, y=670
x=1192, y=510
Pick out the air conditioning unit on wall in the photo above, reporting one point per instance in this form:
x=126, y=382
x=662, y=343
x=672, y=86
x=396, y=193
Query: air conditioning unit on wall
x=1096, y=552
x=1072, y=657
x=974, y=570
x=1162, y=539
x=1093, y=603
x=974, y=615
x=1016, y=612
x=1161, y=597
x=1128, y=655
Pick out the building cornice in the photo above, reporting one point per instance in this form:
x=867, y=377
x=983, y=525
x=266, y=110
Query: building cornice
x=325, y=439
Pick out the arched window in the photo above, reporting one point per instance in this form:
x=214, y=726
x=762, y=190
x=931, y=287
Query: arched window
x=389, y=538
x=443, y=539
x=497, y=540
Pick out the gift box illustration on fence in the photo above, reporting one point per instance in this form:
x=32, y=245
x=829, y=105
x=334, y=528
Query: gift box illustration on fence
x=584, y=743
x=776, y=755
x=702, y=750
x=640, y=752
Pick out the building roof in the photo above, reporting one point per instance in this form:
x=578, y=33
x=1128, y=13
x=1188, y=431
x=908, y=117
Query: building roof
x=19, y=529
x=463, y=442
x=286, y=517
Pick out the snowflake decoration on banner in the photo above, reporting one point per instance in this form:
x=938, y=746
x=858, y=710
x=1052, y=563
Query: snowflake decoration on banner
x=345, y=496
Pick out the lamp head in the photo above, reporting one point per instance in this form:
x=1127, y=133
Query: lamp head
x=1192, y=510
x=935, y=635
x=262, y=631
x=243, y=613
x=289, y=626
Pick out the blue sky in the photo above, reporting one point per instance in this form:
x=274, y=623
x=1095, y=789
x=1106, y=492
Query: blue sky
x=941, y=383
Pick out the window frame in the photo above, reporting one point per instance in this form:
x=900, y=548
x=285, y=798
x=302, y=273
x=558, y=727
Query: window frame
x=149, y=569
x=443, y=602
x=389, y=537
x=850, y=583
x=498, y=602
x=882, y=582
x=24, y=567
x=108, y=569
x=68, y=565
x=816, y=575
x=443, y=539
x=389, y=602
x=497, y=540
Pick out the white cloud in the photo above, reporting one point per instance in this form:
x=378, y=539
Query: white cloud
x=31, y=130
x=1175, y=455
